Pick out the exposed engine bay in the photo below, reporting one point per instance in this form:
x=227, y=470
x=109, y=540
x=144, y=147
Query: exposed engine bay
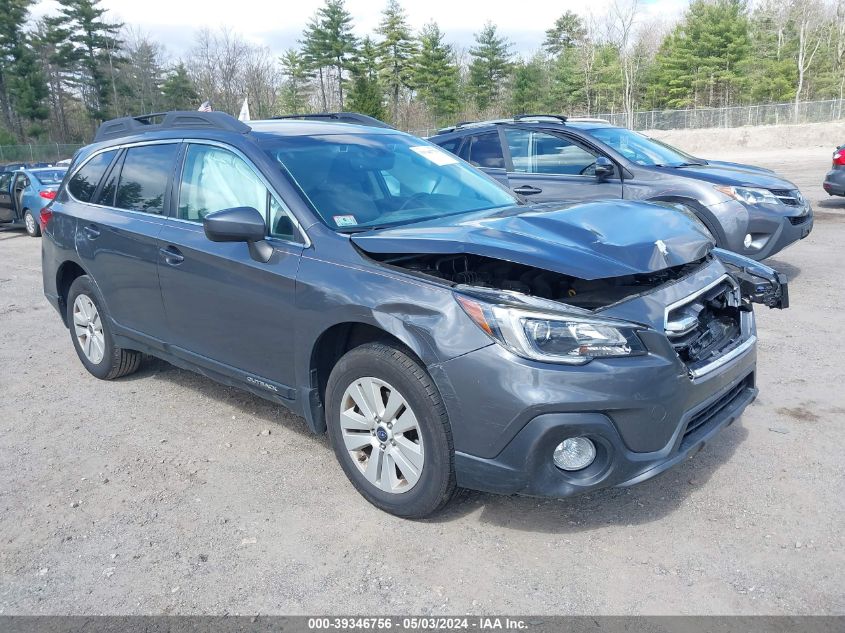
x=485, y=272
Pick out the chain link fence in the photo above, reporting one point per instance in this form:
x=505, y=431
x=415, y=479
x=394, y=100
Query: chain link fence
x=737, y=116
x=734, y=116
x=35, y=153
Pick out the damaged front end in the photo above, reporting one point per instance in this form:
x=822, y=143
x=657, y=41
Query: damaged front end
x=548, y=316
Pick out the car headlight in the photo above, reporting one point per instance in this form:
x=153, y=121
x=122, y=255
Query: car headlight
x=549, y=337
x=749, y=195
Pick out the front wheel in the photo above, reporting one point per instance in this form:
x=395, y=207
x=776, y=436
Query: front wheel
x=390, y=431
x=32, y=228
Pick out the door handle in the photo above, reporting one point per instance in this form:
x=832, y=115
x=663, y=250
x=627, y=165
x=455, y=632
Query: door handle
x=527, y=190
x=91, y=231
x=172, y=255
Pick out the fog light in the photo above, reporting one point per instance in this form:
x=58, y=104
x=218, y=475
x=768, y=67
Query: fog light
x=747, y=241
x=574, y=453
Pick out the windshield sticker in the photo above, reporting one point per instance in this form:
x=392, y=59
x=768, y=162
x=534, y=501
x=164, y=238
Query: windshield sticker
x=436, y=156
x=345, y=220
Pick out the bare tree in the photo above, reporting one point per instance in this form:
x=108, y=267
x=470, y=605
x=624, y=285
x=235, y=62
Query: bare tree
x=809, y=19
x=217, y=64
x=621, y=23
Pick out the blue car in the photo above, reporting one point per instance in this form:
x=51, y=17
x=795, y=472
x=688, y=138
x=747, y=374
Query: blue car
x=23, y=193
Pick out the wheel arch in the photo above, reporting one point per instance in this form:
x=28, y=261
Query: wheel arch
x=335, y=341
x=66, y=274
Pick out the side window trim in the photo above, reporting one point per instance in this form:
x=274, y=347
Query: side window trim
x=304, y=242
x=115, y=166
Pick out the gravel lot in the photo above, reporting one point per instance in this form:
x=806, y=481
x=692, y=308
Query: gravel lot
x=167, y=493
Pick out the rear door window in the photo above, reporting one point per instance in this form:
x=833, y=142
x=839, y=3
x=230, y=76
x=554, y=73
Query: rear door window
x=144, y=176
x=484, y=150
x=85, y=181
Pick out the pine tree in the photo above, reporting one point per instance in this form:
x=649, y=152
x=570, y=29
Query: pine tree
x=178, y=90
x=700, y=62
x=329, y=41
x=567, y=31
x=396, y=51
x=491, y=63
x=435, y=74
x=23, y=88
x=90, y=49
x=315, y=54
x=295, y=91
x=366, y=94
x=525, y=96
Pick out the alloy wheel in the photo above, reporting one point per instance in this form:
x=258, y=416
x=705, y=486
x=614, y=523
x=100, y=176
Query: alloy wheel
x=382, y=435
x=31, y=226
x=89, y=329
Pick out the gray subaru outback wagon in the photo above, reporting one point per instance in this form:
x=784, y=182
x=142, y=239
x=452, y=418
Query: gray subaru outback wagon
x=443, y=332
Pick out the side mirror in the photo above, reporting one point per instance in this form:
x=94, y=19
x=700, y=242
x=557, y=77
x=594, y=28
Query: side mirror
x=604, y=167
x=239, y=224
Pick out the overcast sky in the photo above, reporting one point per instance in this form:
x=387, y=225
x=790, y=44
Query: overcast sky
x=279, y=23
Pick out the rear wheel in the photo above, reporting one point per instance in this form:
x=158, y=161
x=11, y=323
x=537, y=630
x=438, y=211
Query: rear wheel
x=90, y=330
x=31, y=223
x=390, y=431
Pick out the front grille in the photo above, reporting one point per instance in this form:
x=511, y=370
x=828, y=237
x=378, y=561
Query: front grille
x=706, y=326
x=790, y=197
x=702, y=421
x=799, y=219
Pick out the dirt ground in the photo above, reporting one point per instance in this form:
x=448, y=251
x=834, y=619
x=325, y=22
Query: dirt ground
x=164, y=492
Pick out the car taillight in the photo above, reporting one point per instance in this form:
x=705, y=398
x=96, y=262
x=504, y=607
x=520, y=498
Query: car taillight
x=47, y=195
x=839, y=157
x=46, y=214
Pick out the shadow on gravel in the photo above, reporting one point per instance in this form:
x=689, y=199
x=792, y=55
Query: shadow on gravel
x=792, y=271
x=649, y=501
x=834, y=202
x=251, y=406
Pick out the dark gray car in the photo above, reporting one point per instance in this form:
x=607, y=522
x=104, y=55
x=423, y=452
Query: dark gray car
x=444, y=333
x=749, y=210
x=834, y=180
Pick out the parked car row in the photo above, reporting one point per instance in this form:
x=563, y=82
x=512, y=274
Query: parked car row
x=25, y=192
x=444, y=330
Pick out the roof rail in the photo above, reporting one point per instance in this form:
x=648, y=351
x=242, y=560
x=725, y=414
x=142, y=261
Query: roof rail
x=187, y=119
x=341, y=117
x=524, y=117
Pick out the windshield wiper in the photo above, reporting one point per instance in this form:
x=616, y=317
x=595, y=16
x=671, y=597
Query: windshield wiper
x=676, y=165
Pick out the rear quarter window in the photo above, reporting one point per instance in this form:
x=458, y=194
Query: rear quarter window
x=84, y=182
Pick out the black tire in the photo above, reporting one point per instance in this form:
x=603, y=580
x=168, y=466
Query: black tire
x=36, y=232
x=116, y=362
x=436, y=484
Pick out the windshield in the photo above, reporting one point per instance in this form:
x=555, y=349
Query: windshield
x=643, y=150
x=50, y=176
x=361, y=181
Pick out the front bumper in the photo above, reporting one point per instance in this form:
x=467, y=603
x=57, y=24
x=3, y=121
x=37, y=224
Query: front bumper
x=644, y=414
x=834, y=182
x=771, y=228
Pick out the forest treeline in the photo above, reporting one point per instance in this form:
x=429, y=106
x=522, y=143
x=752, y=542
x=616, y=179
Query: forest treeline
x=62, y=74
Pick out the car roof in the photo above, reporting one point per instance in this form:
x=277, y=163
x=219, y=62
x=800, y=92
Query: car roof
x=297, y=127
x=465, y=129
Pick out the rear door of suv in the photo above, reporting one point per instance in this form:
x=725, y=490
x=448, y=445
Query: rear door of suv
x=224, y=309
x=119, y=199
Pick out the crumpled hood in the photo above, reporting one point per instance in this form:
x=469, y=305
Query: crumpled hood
x=723, y=173
x=589, y=241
